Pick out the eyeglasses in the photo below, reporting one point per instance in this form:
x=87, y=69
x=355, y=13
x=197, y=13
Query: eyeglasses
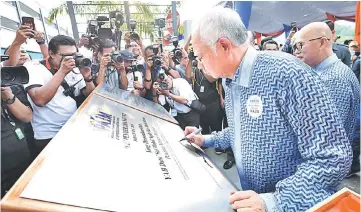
x=299, y=45
x=195, y=148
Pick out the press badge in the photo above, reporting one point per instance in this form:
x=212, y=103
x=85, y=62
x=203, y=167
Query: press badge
x=202, y=89
x=174, y=112
x=19, y=133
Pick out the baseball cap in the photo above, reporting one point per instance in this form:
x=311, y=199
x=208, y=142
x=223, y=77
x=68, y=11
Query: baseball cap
x=127, y=55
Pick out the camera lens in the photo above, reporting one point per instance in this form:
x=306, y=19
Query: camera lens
x=178, y=53
x=118, y=58
x=157, y=62
x=82, y=62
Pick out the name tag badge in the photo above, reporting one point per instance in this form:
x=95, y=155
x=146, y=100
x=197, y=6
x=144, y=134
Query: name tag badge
x=19, y=133
x=254, y=106
x=202, y=89
x=174, y=112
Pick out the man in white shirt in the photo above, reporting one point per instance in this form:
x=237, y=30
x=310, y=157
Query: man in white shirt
x=54, y=87
x=179, y=95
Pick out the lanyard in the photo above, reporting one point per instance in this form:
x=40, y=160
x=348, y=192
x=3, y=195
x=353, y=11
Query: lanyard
x=5, y=114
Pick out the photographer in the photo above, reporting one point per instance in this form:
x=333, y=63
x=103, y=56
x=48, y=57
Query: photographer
x=15, y=112
x=152, y=70
x=55, y=85
x=179, y=95
x=206, y=88
x=110, y=71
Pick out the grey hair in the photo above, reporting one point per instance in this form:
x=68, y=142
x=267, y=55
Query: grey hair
x=221, y=22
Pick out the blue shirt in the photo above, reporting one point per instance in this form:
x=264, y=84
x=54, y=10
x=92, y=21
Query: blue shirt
x=288, y=141
x=344, y=89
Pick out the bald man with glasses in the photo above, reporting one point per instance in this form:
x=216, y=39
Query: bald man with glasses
x=314, y=47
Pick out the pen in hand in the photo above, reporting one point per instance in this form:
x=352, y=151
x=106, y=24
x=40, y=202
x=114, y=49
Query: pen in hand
x=192, y=134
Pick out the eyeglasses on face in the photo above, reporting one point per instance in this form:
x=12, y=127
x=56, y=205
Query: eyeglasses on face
x=299, y=45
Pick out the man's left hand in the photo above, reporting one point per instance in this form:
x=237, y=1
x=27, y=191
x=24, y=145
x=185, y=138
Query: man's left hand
x=246, y=201
x=137, y=85
x=6, y=93
x=86, y=72
x=165, y=92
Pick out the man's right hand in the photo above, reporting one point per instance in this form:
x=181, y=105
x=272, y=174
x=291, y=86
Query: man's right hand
x=105, y=60
x=290, y=36
x=197, y=139
x=23, y=33
x=67, y=65
x=84, y=41
x=155, y=88
x=149, y=63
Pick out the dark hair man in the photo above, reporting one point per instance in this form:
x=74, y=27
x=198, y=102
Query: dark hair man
x=110, y=72
x=54, y=87
x=340, y=50
x=270, y=45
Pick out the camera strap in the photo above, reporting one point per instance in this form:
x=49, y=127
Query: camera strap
x=49, y=65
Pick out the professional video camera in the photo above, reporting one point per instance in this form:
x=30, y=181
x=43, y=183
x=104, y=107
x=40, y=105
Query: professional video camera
x=176, y=51
x=133, y=35
x=80, y=60
x=157, y=60
x=112, y=27
x=163, y=84
x=13, y=75
x=193, y=57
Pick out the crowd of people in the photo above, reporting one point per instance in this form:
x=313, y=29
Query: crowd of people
x=286, y=115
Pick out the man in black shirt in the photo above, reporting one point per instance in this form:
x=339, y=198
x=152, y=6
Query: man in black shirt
x=15, y=157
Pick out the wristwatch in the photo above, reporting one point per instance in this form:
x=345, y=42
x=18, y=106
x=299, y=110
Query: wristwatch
x=89, y=80
x=10, y=101
x=41, y=42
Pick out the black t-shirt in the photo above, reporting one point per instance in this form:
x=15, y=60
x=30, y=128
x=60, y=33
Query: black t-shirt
x=206, y=91
x=14, y=151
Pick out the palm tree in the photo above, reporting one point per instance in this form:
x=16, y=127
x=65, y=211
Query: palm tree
x=144, y=13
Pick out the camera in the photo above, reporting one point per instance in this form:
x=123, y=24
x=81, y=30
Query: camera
x=115, y=57
x=14, y=75
x=133, y=35
x=134, y=68
x=163, y=84
x=160, y=22
x=157, y=61
x=293, y=26
x=80, y=60
x=176, y=51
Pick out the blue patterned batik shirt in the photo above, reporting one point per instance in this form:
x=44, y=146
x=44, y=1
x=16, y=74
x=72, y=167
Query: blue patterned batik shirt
x=343, y=88
x=289, y=143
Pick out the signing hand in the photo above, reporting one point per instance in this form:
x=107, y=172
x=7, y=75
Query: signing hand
x=6, y=93
x=197, y=139
x=247, y=201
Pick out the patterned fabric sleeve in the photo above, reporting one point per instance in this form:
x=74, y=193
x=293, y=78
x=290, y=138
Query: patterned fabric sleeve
x=322, y=143
x=221, y=140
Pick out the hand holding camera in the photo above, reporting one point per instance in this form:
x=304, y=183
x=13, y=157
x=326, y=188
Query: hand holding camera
x=155, y=89
x=137, y=85
x=67, y=65
x=6, y=93
x=23, y=33
x=86, y=72
x=105, y=60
